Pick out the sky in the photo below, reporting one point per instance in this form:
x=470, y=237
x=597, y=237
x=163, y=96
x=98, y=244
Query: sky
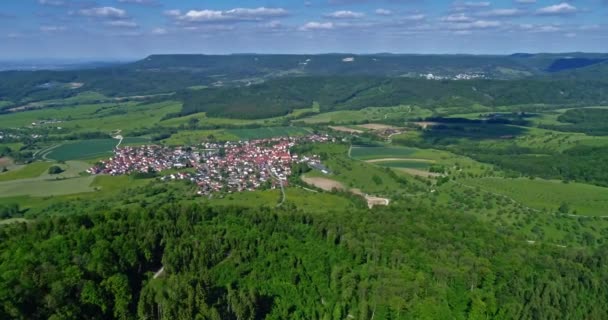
x=127, y=29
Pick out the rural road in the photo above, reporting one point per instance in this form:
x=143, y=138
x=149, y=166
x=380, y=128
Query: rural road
x=120, y=138
x=282, y=188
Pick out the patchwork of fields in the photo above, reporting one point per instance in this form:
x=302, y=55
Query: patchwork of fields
x=267, y=132
x=86, y=149
x=582, y=199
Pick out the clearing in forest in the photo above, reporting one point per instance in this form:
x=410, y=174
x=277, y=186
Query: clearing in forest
x=331, y=185
x=345, y=129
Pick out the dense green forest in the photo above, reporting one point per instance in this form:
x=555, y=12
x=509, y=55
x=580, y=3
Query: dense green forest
x=402, y=262
x=280, y=96
x=587, y=120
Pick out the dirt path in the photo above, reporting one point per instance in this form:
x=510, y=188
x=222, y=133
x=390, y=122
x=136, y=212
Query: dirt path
x=159, y=273
x=119, y=138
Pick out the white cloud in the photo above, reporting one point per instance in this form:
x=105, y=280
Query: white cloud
x=159, y=31
x=237, y=14
x=478, y=24
x=313, y=25
x=104, y=12
x=558, y=9
x=140, y=2
x=173, y=13
x=345, y=14
x=384, y=12
x=415, y=17
x=502, y=13
x=54, y=3
x=122, y=24
x=52, y=28
x=482, y=4
x=459, y=17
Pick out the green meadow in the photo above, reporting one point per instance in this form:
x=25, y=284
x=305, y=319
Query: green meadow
x=582, y=199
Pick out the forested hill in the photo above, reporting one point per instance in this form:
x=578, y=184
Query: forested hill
x=171, y=73
x=281, y=96
x=235, y=263
x=381, y=65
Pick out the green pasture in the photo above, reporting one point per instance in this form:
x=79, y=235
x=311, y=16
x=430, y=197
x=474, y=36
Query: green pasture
x=87, y=149
x=547, y=194
x=267, y=132
x=32, y=170
x=369, y=153
x=369, y=115
x=297, y=196
x=407, y=164
x=45, y=188
x=193, y=137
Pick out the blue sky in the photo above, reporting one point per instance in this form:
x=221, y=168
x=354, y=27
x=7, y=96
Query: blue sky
x=136, y=28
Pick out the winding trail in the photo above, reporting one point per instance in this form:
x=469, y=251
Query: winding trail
x=119, y=138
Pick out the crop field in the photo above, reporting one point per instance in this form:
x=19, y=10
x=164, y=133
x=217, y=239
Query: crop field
x=583, y=199
x=267, y=132
x=88, y=149
x=368, y=153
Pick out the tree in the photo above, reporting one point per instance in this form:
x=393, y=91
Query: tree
x=55, y=170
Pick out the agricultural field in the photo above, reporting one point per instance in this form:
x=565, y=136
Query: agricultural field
x=86, y=149
x=267, y=132
x=582, y=199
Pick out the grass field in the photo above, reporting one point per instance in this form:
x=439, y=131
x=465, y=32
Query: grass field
x=87, y=149
x=45, y=188
x=369, y=153
x=192, y=137
x=405, y=164
x=267, y=132
x=32, y=170
x=544, y=194
x=300, y=197
x=369, y=114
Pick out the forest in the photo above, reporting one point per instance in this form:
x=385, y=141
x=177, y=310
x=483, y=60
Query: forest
x=258, y=263
x=281, y=96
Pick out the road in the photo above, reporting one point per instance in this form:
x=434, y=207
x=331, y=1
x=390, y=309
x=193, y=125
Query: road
x=282, y=188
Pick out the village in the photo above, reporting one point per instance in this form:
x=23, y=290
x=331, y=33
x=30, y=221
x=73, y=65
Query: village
x=216, y=167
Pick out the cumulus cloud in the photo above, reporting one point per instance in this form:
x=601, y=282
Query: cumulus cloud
x=104, y=12
x=54, y=3
x=345, y=14
x=159, y=31
x=477, y=24
x=502, y=13
x=459, y=17
x=313, y=25
x=122, y=24
x=52, y=28
x=563, y=8
x=384, y=12
x=140, y=2
x=237, y=14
